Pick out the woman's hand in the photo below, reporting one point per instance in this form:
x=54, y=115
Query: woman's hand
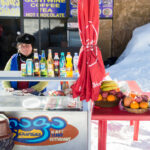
x=28, y=90
x=9, y=89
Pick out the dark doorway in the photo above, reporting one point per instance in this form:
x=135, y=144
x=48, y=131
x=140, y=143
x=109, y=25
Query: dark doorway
x=8, y=34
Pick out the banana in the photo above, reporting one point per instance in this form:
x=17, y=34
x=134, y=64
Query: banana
x=109, y=85
x=109, y=88
x=107, y=81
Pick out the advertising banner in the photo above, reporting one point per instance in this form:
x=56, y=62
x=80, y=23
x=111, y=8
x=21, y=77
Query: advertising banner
x=105, y=7
x=10, y=8
x=73, y=8
x=48, y=8
x=42, y=130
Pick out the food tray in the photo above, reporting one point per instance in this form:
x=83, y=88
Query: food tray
x=106, y=103
x=136, y=111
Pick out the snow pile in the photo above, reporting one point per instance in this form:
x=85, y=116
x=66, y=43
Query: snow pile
x=134, y=63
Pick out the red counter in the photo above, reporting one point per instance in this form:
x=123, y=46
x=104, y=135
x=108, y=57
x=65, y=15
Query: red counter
x=114, y=113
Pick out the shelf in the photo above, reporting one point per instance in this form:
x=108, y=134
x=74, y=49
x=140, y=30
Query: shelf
x=16, y=76
x=14, y=103
x=42, y=103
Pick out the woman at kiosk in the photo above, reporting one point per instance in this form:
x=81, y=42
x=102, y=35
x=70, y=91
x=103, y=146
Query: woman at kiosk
x=25, y=44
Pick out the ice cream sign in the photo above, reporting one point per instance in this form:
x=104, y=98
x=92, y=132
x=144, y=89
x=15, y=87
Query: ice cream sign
x=42, y=131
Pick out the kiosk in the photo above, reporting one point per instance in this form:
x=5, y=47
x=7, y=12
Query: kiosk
x=34, y=126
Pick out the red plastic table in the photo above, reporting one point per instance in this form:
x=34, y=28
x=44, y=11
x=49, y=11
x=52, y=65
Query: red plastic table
x=114, y=113
x=104, y=114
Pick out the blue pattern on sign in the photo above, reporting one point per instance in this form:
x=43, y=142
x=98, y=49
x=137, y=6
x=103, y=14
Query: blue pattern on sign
x=40, y=123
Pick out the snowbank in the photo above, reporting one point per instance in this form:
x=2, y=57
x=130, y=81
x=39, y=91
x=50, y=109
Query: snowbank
x=134, y=62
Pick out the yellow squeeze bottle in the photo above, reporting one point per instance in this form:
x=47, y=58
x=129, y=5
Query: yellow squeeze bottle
x=69, y=65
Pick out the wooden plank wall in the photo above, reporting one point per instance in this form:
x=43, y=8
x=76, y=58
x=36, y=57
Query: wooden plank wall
x=105, y=38
x=115, y=33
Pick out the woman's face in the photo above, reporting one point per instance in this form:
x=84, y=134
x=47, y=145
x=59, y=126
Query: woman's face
x=25, y=49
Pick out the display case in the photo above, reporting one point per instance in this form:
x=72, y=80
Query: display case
x=45, y=122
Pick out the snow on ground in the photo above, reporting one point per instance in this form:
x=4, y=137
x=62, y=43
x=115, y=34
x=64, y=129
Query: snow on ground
x=120, y=136
x=133, y=64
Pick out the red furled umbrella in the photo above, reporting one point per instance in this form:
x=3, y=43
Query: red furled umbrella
x=90, y=65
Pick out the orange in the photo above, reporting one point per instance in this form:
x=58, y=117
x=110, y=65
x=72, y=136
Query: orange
x=111, y=98
x=133, y=94
x=99, y=97
x=134, y=105
x=118, y=90
x=143, y=105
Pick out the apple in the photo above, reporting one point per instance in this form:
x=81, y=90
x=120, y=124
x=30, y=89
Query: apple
x=104, y=94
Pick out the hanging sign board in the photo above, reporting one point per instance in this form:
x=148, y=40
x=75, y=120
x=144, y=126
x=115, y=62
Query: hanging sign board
x=73, y=8
x=10, y=8
x=48, y=8
x=105, y=7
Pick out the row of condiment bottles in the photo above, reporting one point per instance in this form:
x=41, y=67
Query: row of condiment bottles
x=56, y=67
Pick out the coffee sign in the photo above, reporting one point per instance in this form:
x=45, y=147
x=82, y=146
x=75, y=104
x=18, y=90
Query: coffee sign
x=46, y=8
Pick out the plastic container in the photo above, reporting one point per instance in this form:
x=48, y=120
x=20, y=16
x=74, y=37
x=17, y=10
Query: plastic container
x=69, y=66
x=75, y=64
x=62, y=64
x=56, y=65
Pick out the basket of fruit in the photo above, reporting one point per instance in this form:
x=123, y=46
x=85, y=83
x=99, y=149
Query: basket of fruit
x=136, y=104
x=109, y=95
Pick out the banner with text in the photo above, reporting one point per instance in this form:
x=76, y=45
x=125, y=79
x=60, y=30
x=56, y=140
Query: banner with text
x=10, y=8
x=73, y=8
x=105, y=8
x=48, y=8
